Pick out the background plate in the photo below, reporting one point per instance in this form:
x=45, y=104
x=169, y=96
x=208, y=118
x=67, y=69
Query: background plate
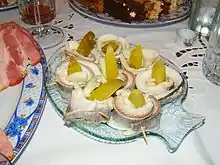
x=177, y=16
x=29, y=108
x=11, y=4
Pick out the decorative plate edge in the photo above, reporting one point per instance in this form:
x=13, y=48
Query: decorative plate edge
x=37, y=114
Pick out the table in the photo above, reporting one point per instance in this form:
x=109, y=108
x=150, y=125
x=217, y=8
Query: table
x=55, y=144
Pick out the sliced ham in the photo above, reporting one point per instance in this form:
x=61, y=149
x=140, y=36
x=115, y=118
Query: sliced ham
x=3, y=75
x=17, y=50
x=5, y=146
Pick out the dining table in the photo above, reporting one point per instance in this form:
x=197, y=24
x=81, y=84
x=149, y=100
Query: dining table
x=55, y=144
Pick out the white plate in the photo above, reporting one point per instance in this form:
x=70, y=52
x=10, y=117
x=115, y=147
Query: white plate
x=8, y=107
x=21, y=107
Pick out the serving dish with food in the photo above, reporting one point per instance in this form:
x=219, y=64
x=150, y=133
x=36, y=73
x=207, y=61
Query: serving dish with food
x=134, y=13
x=22, y=94
x=7, y=4
x=116, y=92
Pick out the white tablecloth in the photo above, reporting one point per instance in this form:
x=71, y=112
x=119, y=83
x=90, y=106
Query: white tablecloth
x=55, y=144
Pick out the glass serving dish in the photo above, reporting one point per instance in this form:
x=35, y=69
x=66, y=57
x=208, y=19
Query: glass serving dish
x=172, y=125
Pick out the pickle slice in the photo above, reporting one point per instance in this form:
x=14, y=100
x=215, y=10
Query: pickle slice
x=73, y=66
x=111, y=64
x=137, y=98
x=105, y=90
x=86, y=44
x=159, y=72
x=113, y=44
x=136, y=57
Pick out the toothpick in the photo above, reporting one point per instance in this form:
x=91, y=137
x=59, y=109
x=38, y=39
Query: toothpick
x=103, y=114
x=51, y=84
x=144, y=134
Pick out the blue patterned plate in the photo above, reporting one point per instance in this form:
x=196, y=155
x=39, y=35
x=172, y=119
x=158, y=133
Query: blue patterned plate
x=172, y=126
x=29, y=108
x=174, y=17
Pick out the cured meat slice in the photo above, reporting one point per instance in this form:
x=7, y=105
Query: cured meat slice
x=26, y=45
x=3, y=75
x=12, y=73
x=5, y=146
x=17, y=50
x=8, y=37
x=3, y=66
x=13, y=24
x=25, y=41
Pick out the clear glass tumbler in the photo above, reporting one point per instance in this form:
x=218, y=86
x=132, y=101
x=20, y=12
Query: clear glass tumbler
x=201, y=16
x=39, y=13
x=211, y=61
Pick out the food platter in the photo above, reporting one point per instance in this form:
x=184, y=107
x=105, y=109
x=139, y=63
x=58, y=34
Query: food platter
x=172, y=124
x=181, y=14
x=29, y=98
x=11, y=4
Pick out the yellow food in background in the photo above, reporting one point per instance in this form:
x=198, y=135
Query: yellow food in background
x=137, y=98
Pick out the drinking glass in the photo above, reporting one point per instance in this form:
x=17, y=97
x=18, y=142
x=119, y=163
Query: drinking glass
x=211, y=60
x=39, y=13
x=201, y=16
x=4, y=160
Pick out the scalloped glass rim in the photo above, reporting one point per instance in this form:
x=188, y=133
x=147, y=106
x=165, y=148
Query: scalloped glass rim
x=177, y=16
x=60, y=104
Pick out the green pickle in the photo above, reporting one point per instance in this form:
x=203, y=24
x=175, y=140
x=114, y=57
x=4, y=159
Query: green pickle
x=106, y=89
x=137, y=98
x=136, y=57
x=159, y=72
x=86, y=44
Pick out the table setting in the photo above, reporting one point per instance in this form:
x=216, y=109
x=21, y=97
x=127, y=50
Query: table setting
x=83, y=84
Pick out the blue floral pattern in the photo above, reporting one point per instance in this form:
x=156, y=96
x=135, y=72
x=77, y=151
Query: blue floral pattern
x=30, y=85
x=16, y=126
x=35, y=71
x=29, y=102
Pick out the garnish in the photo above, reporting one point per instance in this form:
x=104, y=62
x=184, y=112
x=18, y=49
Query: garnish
x=111, y=64
x=105, y=90
x=137, y=98
x=136, y=57
x=86, y=44
x=113, y=44
x=73, y=66
x=159, y=72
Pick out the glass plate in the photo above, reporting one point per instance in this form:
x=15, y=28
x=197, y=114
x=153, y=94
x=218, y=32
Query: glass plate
x=11, y=4
x=174, y=17
x=172, y=125
x=29, y=108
